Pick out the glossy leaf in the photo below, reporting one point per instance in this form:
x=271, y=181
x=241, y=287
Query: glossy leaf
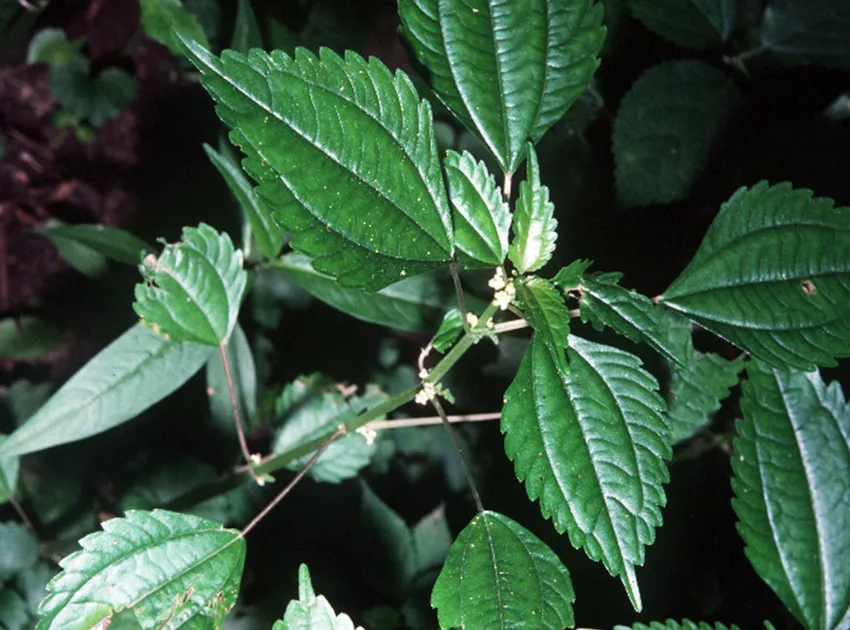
x=544, y=309
x=132, y=373
x=312, y=406
x=792, y=467
x=500, y=575
x=246, y=31
x=160, y=16
x=173, y=570
x=697, y=24
x=772, y=276
x=259, y=216
x=480, y=215
x=534, y=222
x=508, y=71
x=311, y=611
x=671, y=624
x=808, y=32
x=414, y=304
x=193, y=290
x=27, y=338
x=666, y=127
x=369, y=213
x=111, y=242
x=590, y=444
x=244, y=374
x=449, y=331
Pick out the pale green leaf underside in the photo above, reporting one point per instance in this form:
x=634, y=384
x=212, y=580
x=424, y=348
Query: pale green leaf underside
x=697, y=24
x=534, y=221
x=814, y=32
x=345, y=154
x=671, y=624
x=174, y=570
x=413, y=304
x=792, y=479
x=590, y=444
x=259, y=216
x=311, y=611
x=132, y=373
x=666, y=127
x=500, y=575
x=772, y=276
x=507, y=70
x=110, y=242
x=193, y=290
x=480, y=216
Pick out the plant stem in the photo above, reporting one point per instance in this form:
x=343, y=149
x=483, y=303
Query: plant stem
x=463, y=462
x=405, y=423
x=240, y=432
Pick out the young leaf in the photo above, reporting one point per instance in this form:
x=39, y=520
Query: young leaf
x=132, y=373
x=193, y=290
x=534, y=223
x=697, y=24
x=605, y=303
x=259, y=216
x=27, y=338
x=671, y=624
x=791, y=469
x=772, y=276
x=666, y=127
x=244, y=375
x=500, y=575
x=414, y=304
x=544, y=308
x=172, y=570
x=369, y=213
x=160, y=16
x=803, y=33
x=480, y=215
x=449, y=331
x=312, y=406
x=312, y=612
x=590, y=443
x=110, y=242
x=246, y=32
x=508, y=72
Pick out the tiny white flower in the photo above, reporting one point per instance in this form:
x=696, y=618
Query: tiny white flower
x=497, y=282
x=472, y=320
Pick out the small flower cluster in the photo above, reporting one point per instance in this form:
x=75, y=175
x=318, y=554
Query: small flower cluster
x=505, y=289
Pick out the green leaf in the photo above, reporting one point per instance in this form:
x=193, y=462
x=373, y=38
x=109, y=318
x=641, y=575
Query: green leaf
x=9, y=469
x=414, y=304
x=544, y=308
x=27, y=338
x=18, y=550
x=173, y=570
x=193, y=290
x=590, y=443
x=697, y=24
x=369, y=213
x=110, y=242
x=480, y=215
x=312, y=612
x=804, y=32
x=160, y=16
x=569, y=278
x=605, y=303
x=671, y=624
x=135, y=371
x=534, y=222
x=259, y=216
x=312, y=406
x=666, y=127
x=246, y=32
x=244, y=375
x=791, y=469
x=51, y=45
x=91, y=99
x=500, y=575
x=449, y=331
x=14, y=614
x=507, y=71
x=772, y=276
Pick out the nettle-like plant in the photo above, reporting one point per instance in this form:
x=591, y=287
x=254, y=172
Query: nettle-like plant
x=347, y=172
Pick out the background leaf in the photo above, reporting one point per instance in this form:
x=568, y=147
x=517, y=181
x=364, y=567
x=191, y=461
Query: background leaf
x=312, y=612
x=193, y=290
x=589, y=442
x=666, y=127
x=414, y=304
x=369, y=214
x=110, y=242
x=88, y=98
x=534, y=222
x=500, y=575
x=772, y=276
x=27, y=338
x=792, y=472
x=697, y=24
x=18, y=550
x=804, y=32
x=51, y=45
x=132, y=373
x=174, y=570
x=671, y=624
x=259, y=216
x=508, y=72
x=246, y=31
x=160, y=16
x=480, y=216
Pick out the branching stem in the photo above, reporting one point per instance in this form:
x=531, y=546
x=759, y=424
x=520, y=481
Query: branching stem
x=405, y=423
